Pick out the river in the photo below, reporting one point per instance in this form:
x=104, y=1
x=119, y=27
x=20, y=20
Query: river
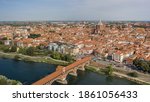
x=29, y=72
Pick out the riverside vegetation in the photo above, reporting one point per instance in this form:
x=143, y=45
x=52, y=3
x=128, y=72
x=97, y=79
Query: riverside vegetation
x=5, y=81
x=33, y=54
x=107, y=71
x=111, y=72
x=142, y=65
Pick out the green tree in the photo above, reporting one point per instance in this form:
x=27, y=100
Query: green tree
x=16, y=57
x=34, y=36
x=4, y=38
x=1, y=42
x=13, y=49
x=6, y=49
x=135, y=62
x=133, y=74
x=22, y=50
x=68, y=57
x=5, y=81
x=144, y=65
x=109, y=70
x=56, y=55
x=30, y=51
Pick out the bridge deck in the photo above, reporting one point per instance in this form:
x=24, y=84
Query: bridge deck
x=59, y=72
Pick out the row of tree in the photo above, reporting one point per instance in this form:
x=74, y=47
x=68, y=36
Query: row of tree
x=142, y=65
x=37, y=51
x=59, y=56
x=34, y=36
x=26, y=51
x=8, y=48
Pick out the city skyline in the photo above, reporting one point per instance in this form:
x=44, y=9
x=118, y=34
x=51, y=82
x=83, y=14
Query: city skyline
x=42, y=10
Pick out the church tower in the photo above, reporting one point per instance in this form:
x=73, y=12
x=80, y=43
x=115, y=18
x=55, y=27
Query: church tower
x=100, y=28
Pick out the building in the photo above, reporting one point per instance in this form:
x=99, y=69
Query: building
x=63, y=48
x=100, y=28
x=7, y=42
x=119, y=56
x=53, y=46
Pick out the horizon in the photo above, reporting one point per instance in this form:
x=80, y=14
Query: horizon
x=77, y=21
x=74, y=10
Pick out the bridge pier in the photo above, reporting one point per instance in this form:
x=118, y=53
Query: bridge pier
x=48, y=83
x=73, y=74
x=81, y=67
x=64, y=82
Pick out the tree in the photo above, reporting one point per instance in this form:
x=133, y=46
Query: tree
x=6, y=49
x=1, y=42
x=13, y=49
x=30, y=51
x=22, y=50
x=142, y=64
x=109, y=70
x=4, y=38
x=56, y=55
x=68, y=57
x=135, y=62
x=133, y=74
x=16, y=57
x=34, y=36
x=5, y=81
x=145, y=66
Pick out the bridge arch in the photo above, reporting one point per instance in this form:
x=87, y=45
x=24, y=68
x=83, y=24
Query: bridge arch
x=52, y=81
x=61, y=72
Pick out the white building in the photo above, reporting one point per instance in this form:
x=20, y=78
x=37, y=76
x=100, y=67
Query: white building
x=7, y=42
x=63, y=48
x=53, y=46
x=119, y=56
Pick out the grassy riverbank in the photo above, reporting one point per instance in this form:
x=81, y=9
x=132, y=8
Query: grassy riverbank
x=5, y=81
x=117, y=73
x=42, y=59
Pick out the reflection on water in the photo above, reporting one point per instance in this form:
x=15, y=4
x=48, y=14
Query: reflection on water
x=26, y=72
x=91, y=78
x=29, y=72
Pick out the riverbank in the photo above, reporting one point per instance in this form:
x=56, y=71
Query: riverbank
x=5, y=81
x=120, y=74
x=43, y=59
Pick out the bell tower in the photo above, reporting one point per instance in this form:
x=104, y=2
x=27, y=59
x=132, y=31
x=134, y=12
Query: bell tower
x=100, y=28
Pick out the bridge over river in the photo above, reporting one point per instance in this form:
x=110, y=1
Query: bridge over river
x=61, y=72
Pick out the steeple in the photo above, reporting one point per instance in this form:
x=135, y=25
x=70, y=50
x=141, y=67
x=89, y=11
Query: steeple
x=100, y=22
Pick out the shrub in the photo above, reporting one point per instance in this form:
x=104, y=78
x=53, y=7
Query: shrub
x=5, y=81
x=13, y=49
x=16, y=57
x=133, y=74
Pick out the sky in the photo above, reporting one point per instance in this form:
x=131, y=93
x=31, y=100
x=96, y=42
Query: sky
x=34, y=10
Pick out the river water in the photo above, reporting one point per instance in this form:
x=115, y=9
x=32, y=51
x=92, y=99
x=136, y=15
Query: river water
x=29, y=72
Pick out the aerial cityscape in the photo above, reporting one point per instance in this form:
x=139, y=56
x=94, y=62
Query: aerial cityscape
x=77, y=50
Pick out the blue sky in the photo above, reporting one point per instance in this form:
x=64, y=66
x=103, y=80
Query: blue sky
x=24, y=10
